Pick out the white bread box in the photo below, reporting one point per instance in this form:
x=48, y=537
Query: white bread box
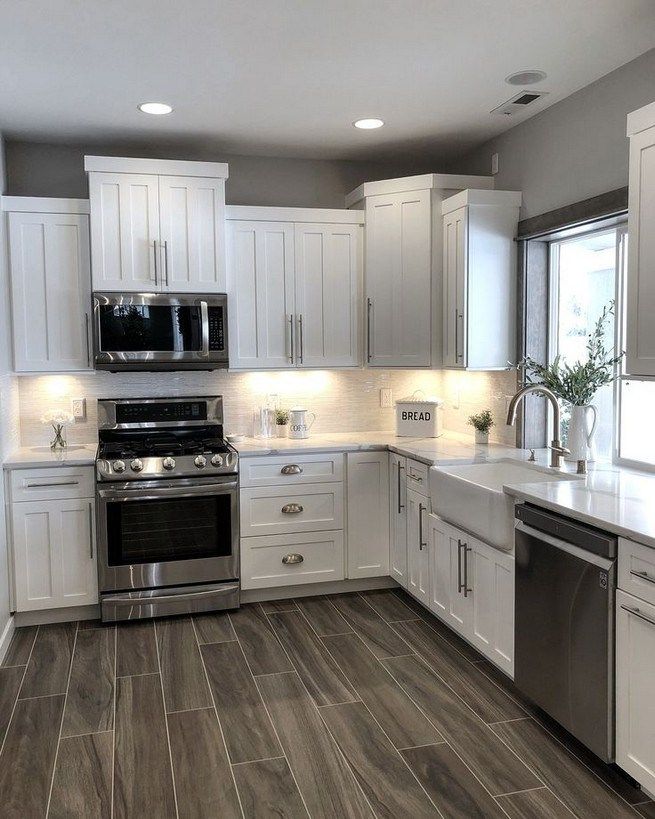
x=418, y=416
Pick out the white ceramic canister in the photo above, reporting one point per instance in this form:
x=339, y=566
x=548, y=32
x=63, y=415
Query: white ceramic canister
x=299, y=425
x=581, y=437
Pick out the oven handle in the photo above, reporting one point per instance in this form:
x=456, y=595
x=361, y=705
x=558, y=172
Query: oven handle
x=126, y=495
x=204, y=315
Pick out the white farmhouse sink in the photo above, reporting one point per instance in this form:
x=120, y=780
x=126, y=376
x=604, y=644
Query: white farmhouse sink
x=471, y=496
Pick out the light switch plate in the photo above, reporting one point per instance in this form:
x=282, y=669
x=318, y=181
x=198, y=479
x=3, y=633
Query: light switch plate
x=78, y=408
x=386, y=398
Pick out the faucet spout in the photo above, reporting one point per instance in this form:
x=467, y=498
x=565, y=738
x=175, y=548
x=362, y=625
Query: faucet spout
x=557, y=450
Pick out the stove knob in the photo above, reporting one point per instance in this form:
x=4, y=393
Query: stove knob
x=118, y=466
x=200, y=461
x=169, y=463
x=136, y=465
x=217, y=460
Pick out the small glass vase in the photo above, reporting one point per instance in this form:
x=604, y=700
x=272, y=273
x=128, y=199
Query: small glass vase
x=59, y=441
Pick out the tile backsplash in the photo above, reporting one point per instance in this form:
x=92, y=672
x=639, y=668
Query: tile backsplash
x=343, y=400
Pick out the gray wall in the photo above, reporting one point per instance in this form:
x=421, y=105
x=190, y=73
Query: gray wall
x=39, y=169
x=575, y=149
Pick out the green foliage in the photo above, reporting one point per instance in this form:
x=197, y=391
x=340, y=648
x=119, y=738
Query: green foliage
x=281, y=417
x=483, y=421
x=578, y=383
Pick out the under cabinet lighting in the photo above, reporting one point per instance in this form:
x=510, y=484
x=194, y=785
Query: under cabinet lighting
x=368, y=124
x=156, y=108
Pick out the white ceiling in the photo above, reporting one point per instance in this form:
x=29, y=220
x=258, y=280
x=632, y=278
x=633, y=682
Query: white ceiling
x=287, y=77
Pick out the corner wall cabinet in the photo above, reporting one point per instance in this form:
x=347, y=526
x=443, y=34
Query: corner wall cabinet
x=403, y=265
x=49, y=271
x=640, y=287
x=294, y=282
x=52, y=515
x=479, y=279
x=157, y=225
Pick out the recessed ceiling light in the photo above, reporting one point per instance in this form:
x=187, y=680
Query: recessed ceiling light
x=157, y=108
x=526, y=77
x=368, y=124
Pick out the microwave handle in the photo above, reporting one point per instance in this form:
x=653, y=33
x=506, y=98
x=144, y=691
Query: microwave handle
x=204, y=315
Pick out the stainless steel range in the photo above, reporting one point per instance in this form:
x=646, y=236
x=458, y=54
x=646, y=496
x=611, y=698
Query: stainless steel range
x=167, y=508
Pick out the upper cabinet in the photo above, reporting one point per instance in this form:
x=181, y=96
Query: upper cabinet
x=403, y=265
x=479, y=279
x=157, y=225
x=50, y=283
x=640, y=301
x=294, y=283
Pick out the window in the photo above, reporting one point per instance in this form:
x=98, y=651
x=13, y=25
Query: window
x=586, y=273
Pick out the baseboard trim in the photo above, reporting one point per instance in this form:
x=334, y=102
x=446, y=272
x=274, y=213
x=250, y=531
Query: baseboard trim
x=7, y=634
x=314, y=589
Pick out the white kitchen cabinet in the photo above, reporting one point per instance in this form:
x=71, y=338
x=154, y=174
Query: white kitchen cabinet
x=50, y=283
x=398, y=519
x=479, y=279
x=472, y=590
x=418, y=565
x=289, y=560
x=260, y=291
x=327, y=288
x=294, y=282
x=403, y=262
x=157, y=225
x=640, y=286
x=367, y=475
x=54, y=554
x=635, y=703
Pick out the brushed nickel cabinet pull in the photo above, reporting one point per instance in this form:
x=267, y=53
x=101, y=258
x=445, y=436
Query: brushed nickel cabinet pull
x=33, y=484
x=91, y=530
x=638, y=613
x=460, y=545
x=467, y=549
x=154, y=246
x=292, y=509
x=401, y=506
x=290, y=355
x=166, y=261
x=291, y=469
x=369, y=305
x=421, y=509
x=643, y=576
x=300, y=339
x=292, y=559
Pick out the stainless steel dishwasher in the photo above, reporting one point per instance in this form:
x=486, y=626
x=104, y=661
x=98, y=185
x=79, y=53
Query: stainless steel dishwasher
x=564, y=641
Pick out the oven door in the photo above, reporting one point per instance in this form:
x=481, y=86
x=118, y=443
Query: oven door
x=156, y=534
x=151, y=331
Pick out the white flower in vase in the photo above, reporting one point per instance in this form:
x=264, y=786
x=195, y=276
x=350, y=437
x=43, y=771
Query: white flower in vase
x=57, y=419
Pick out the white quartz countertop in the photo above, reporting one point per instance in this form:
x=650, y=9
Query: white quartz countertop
x=42, y=456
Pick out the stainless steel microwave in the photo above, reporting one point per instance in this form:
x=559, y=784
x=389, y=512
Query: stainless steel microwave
x=152, y=331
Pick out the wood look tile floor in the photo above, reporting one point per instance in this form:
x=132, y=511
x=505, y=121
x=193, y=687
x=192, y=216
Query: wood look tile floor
x=334, y=706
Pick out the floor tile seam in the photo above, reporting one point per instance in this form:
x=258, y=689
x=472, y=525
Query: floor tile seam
x=211, y=694
x=163, y=702
x=22, y=682
x=581, y=761
x=362, y=596
x=113, y=744
x=63, y=716
x=357, y=631
x=255, y=761
x=313, y=628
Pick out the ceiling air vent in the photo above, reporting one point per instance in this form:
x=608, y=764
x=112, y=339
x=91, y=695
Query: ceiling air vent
x=518, y=102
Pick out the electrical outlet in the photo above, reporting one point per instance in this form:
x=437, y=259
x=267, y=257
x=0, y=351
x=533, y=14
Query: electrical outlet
x=494, y=163
x=385, y=397
x=78, y=408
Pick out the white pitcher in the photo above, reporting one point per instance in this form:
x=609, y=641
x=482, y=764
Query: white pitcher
x=299, y=426
x=581, y=438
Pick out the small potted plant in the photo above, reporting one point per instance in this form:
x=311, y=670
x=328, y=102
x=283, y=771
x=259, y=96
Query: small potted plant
x=57, y=420
x=282, y=423
x=482, y=423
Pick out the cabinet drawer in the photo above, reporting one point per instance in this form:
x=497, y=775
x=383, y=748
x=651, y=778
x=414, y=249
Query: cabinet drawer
x=637, y=569
x=52, y=483
x=292, y=469
x=262, y=563
x=272, y=510
x=417, y=477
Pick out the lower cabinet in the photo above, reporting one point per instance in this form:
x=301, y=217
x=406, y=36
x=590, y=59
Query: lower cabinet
x=288, y=560
x=398, y=519
x=418, y=566
x=635, y=672
x=368, y=514
x=54, y=553
x=471, y=588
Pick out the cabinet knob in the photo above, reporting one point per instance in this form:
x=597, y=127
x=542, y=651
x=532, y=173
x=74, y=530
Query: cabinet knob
x=292, y=559
x=291, y=509
x=291, y=469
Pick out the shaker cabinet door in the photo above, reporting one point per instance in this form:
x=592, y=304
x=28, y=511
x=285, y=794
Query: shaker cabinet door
x=455, y=241
x=327, y=273
x=418, y=562
x=192, y=228
x=50, y=291
x=398, y=518
x=368, y=513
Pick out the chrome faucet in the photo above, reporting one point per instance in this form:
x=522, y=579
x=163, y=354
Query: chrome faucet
x=556, y=448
